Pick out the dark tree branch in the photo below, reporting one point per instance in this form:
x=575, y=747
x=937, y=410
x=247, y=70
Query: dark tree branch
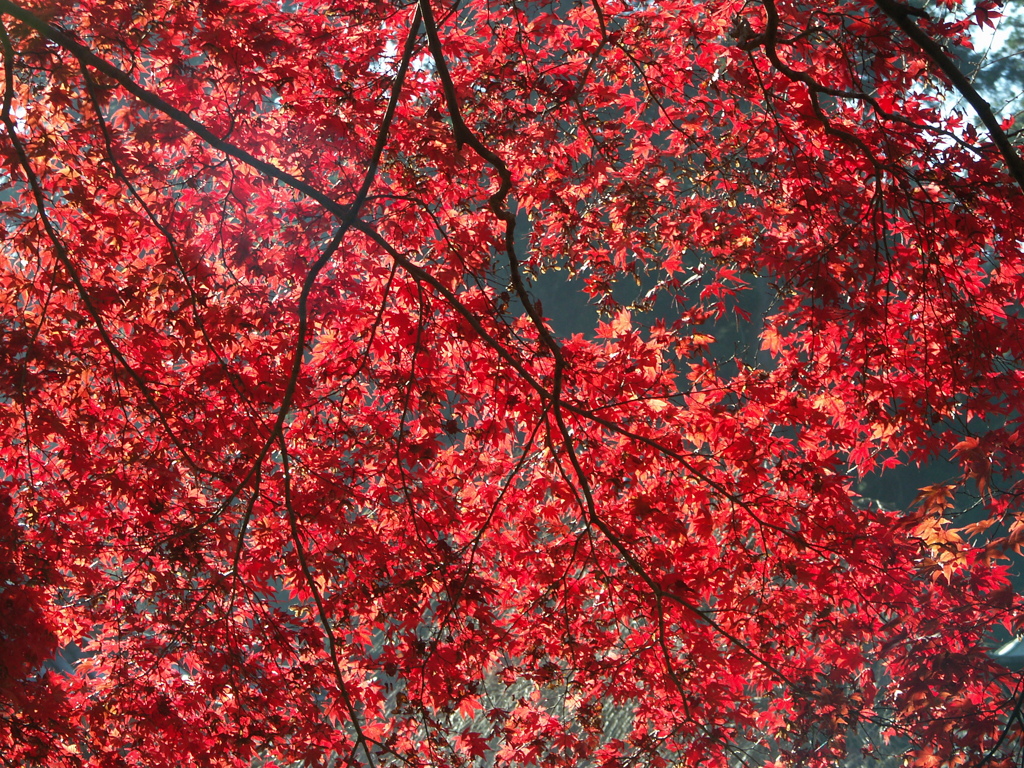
x=87, y=57
x=64, y=258
x=902, y=16
x=346, y=214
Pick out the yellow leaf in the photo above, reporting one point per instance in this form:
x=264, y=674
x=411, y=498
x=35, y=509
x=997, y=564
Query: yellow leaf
x=622, y=323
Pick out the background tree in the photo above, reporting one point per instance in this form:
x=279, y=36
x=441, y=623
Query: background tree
x=997, y=63
x=297, y=472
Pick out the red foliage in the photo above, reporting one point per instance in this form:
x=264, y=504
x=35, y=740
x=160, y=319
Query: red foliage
x=297, y=471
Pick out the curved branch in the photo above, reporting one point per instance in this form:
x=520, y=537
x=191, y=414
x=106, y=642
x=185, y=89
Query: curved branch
x=361, y=739
x=87, y=57
x=347, y=215
x=902, y=17
x=64, y=258
x=498, y=201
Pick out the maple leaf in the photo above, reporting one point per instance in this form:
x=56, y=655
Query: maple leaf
x=934, y=498
x=979, y=466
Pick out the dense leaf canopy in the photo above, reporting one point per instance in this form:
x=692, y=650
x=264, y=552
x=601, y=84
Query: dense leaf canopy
x=295, y=470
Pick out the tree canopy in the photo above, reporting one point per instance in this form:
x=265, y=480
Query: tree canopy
x=294, y=470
